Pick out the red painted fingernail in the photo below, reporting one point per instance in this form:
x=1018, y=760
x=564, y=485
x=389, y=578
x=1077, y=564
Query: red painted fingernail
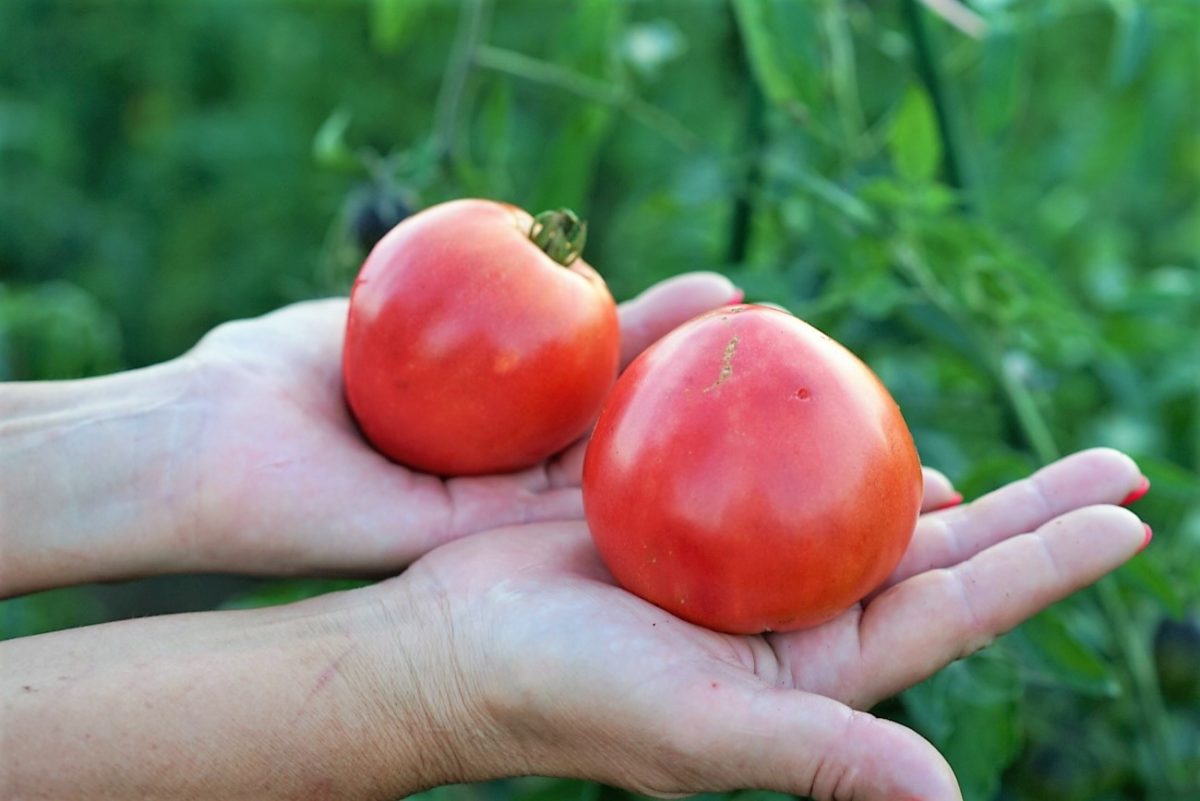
x=955, y=500
x=1141, y=489
x=1149, y=536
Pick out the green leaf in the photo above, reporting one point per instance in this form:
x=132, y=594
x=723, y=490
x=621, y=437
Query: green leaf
x=971, y=711
x=1152, y=581
x=393, y=21
x=329, y=144
x=840, y=199
x=1049, y=646
x=913, y=138
x=782, y=43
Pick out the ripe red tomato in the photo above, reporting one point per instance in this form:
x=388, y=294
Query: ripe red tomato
x=469, y=349
x=750, y=474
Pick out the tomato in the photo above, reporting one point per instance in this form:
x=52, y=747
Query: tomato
x=750, y=474
x=469, y=349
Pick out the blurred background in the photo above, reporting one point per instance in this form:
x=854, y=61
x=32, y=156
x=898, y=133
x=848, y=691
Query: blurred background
x=995, y=203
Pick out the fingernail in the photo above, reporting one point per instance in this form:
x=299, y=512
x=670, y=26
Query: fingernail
x=955, y=500
x=1149, y=536
x=1141, y=489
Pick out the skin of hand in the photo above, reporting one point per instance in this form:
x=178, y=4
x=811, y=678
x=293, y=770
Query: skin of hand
x=580, y=678
x=300, y=490
x=240, y=456
x=512, y=652
x=285, y=483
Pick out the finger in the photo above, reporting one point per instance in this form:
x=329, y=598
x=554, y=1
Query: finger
x=808, y=745
x=939, y=492
x=1096, y=476
x=669, y=304
x=930, y=620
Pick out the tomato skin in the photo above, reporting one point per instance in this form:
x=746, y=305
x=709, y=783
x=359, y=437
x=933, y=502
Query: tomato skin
x=750, y=474
x=470, y=351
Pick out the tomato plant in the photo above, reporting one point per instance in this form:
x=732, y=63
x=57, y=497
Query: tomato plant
x=749, y=474
x=478, y=341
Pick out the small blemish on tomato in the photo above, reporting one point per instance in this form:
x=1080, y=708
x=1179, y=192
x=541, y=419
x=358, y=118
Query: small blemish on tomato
x=802, y=394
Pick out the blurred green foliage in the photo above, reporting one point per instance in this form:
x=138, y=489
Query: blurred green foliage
x=1007, y=228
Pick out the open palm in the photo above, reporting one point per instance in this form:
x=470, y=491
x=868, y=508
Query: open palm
x=587, y=680
x=285, y=483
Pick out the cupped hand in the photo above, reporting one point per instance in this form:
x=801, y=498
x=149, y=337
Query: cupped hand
x=283, y=482
x=566, y=674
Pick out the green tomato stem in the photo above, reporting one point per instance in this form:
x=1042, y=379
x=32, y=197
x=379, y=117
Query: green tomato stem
x=560, y=234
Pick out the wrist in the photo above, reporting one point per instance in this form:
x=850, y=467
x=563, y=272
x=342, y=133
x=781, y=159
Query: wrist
x=425, y=689
x=93, y=484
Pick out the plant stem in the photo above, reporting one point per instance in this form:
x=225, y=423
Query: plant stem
x=471, y=24
x=742, y=215
x=560, y=234
x=844, y=76
x=1166, y=778
x=520, y=65
x=930, y=75
x=1030, y=419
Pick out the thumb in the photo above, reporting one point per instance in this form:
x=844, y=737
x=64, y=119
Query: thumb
x=669, y=304
x=809, y=745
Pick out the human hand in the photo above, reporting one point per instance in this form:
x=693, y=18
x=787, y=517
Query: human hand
x=240, y=457
x=563, y=673
x=283, y=482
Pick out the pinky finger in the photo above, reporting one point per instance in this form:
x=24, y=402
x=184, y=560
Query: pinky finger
x=922, y=624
